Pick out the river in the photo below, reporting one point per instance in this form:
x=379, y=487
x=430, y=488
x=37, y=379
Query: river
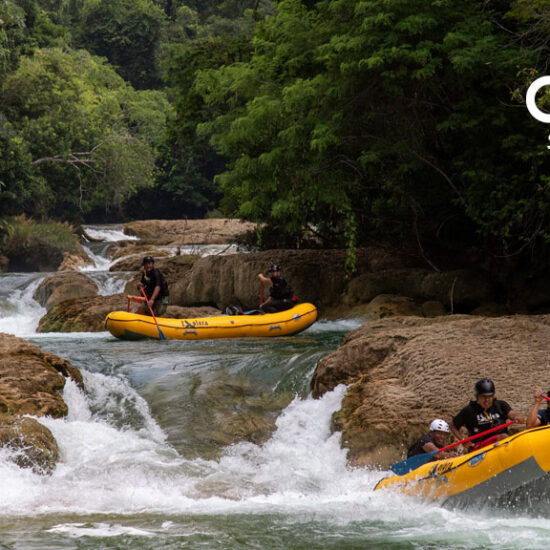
x=143, y=467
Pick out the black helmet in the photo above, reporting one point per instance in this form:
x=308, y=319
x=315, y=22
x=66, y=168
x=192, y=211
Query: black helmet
x=148, y=259
x=485, y=387
x=273, y=267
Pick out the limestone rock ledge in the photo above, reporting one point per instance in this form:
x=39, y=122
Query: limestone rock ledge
x=402, y=372
x=31, y=382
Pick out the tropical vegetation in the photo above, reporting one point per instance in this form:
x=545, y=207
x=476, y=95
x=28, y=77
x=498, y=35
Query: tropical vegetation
x=339, y=122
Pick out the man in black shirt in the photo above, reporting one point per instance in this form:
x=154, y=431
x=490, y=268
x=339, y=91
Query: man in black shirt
x=155, y=287
x=484, y=413
x=281, y=295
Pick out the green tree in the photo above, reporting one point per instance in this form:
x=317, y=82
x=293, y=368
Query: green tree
x=382, y=117
x=88, y=134
x=128, y=33
x=189, y=163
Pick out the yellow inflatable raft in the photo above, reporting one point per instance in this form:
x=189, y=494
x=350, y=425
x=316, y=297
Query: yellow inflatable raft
x=131, y=326
x=480, y=475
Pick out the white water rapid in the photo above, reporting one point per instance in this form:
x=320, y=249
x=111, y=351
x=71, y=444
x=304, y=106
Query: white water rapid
x=136, y=472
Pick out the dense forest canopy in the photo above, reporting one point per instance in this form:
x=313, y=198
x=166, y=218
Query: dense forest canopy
x=348, y=120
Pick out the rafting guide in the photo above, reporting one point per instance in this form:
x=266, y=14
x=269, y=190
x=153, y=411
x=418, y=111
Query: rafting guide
x=484, y=413
x=155, y=287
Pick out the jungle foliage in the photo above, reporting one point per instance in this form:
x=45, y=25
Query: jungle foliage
x=347, y=120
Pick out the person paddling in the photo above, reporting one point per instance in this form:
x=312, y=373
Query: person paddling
x=484, y=413
x=433, y=441
x=538, y=416
x=281, y=295
x=155, y=287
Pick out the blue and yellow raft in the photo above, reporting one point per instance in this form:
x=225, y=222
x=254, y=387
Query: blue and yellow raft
x=484, y=474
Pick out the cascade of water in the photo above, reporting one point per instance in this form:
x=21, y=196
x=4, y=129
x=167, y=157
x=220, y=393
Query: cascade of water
x=19, y=311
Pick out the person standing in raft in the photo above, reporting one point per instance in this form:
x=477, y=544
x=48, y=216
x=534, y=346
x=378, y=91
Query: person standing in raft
x=281, y=295
x=434, y=440
x=484, y=413
x=538, y=416
x=155, y=287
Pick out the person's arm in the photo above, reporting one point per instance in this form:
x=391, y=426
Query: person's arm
x=264, y=279
x=516, y=417
x=533, y=419
x=510, y=413
x=429, y=447
x=456, y=432
x=156, y=292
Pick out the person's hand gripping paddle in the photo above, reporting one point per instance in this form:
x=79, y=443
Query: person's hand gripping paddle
x=161, y=336
x=414, y=462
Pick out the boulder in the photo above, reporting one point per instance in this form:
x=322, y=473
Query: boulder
x=31, y=380
x=81, y=314
x=64, y=286
x=31, y=383
x=388, y=305
x=33, y=444
x=460, y=290
x=404, y=371
x=433, y=308
x=316, y=276
x=75, y=259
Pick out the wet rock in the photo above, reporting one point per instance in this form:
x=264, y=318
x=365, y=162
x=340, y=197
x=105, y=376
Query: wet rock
x=402, y=372
x=33, y=445
x=31, y=383
x=74, y=260
x=81, y=314
x=64, y=286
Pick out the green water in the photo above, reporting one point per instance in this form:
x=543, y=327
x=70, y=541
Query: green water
x=147, y=462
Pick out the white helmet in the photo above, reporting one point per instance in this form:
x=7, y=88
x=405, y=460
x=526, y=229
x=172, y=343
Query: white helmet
x=439, y=426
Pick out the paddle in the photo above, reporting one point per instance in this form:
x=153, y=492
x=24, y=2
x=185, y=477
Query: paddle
x=409, y=464
x=152, y=314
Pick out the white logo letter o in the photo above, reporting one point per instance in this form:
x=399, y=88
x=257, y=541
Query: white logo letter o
x=530, y=99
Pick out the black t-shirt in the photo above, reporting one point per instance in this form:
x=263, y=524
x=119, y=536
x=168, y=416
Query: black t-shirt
x=280, y=289
x=544, y=417
x=477, y=420
x=417, y=448
x=152, y=279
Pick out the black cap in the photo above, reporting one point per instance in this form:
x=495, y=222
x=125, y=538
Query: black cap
x=485, y=387
x=148, y=259
x=273, y=267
